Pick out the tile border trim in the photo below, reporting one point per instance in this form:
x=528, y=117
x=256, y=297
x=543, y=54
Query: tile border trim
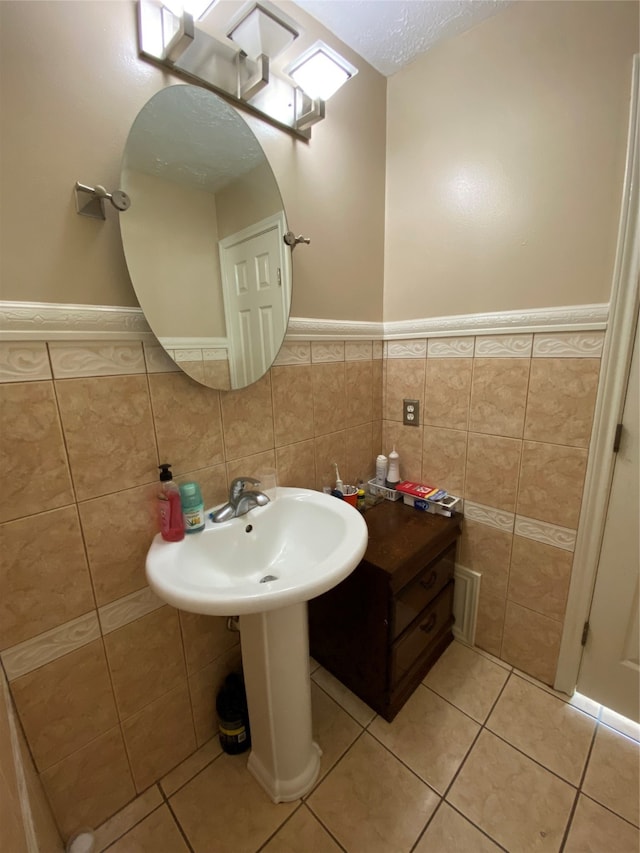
x=37, y=651
x=123, y=610
x=547, y=534
x=501, y=519
x=53, y=321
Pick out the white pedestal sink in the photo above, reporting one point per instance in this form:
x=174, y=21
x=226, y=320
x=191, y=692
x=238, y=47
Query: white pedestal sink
x=264, y=567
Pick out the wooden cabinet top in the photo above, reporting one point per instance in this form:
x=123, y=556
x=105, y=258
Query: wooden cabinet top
x=400, y=537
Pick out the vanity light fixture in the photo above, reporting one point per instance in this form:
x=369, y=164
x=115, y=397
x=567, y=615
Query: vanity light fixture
x=260, y=31
x=238, y=63
x=320, y=71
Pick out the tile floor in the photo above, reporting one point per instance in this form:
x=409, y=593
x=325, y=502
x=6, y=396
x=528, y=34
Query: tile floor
x=480, y=759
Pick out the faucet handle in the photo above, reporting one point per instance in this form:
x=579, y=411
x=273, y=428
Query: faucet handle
x=238, y=485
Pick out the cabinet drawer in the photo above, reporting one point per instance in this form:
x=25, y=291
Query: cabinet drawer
x=412, y=600
x=433, y=622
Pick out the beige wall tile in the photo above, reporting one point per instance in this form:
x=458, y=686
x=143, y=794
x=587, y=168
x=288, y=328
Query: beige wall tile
x=158, y=831
x=292, y=403
x=446, y=392
x=539, y=577
x=32, y=452
x=329, y=449
x=486, y=550
x=329, y=397
x=498, y=396
x=551, y=482
x=212, y=481
x=360, y=455
x=408, y=444
x=561, y=400
x=444, y=456
x=193, y=368
x=65, y=704
x=203, y=688
x=531, y=642
x=492, y=470
x=146, y=659
x=215, y=374
x=117, y=530
x=90, y=785
x=377, y=384
x=251, y=466
x=109, y=433
x=247, y=419
x=296, y=464
x=205, y=638
x=405, y=380
x=490, y=622
x=187, y=422
x=159, y=736
x=359, y=391
x=43, y=573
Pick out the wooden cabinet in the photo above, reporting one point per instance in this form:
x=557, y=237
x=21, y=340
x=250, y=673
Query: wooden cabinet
x=384, y=626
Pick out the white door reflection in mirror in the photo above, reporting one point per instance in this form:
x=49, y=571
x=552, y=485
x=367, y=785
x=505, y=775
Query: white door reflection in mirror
x=255, y=280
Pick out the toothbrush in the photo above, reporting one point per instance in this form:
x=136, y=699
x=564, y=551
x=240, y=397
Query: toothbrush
x=339, y=484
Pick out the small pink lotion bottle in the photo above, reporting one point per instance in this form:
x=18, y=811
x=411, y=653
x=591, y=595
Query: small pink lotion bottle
x=169, y=507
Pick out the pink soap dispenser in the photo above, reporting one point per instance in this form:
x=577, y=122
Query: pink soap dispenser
x=169, y=506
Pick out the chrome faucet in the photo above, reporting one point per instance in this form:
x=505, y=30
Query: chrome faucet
x=241, y=499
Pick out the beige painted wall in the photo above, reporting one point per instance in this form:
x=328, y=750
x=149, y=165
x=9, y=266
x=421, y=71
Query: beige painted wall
x=505, y=157
x=72, y=84
x=247, y=200
x=171, y=238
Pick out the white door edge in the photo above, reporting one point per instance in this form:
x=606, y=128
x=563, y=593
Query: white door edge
x=616, y=358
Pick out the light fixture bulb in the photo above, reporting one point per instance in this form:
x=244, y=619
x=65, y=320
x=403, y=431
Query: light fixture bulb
x=320, y=72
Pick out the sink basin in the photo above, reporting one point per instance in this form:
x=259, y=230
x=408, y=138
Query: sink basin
x=294, y=548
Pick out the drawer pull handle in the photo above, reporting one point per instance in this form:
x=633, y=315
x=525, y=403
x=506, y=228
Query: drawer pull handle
x=429, y=624
x=430, y=581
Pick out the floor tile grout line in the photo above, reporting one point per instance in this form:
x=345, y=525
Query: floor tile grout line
x=320, y=781
x=341, y=706
x=190, y=779
x=534, y=760
x=453, y=704
x=279, y=827
x=325, y=827
x=610, y=810
x=479, y=828
x=133, y=825
x=180, y=827
x=475, y=740
x=567, y=830
x=426, y=826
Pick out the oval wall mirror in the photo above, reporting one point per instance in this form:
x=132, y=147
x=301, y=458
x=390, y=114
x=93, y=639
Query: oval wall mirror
x=203, y=238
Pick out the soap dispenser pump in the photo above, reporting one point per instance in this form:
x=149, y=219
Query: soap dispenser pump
x=169, y=506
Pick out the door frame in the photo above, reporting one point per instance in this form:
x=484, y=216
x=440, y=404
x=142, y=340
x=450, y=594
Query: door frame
x=616, y=361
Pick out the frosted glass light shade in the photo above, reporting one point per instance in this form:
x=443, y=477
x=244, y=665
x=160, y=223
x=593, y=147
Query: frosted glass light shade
x=320, y=72
x=262, y=31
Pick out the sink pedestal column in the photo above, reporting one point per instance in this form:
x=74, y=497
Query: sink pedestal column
x=275, y=657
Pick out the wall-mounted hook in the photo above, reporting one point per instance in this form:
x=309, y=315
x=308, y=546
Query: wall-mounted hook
x=94, y=205
x=291, y=240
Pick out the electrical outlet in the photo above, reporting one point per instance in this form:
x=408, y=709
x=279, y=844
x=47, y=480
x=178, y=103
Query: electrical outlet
x=411, y=412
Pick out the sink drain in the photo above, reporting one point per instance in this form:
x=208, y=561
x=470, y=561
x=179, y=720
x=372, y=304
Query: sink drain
x=268, y=578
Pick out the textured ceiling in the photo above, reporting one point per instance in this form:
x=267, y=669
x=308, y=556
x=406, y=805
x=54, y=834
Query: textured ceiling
x=390, y=34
